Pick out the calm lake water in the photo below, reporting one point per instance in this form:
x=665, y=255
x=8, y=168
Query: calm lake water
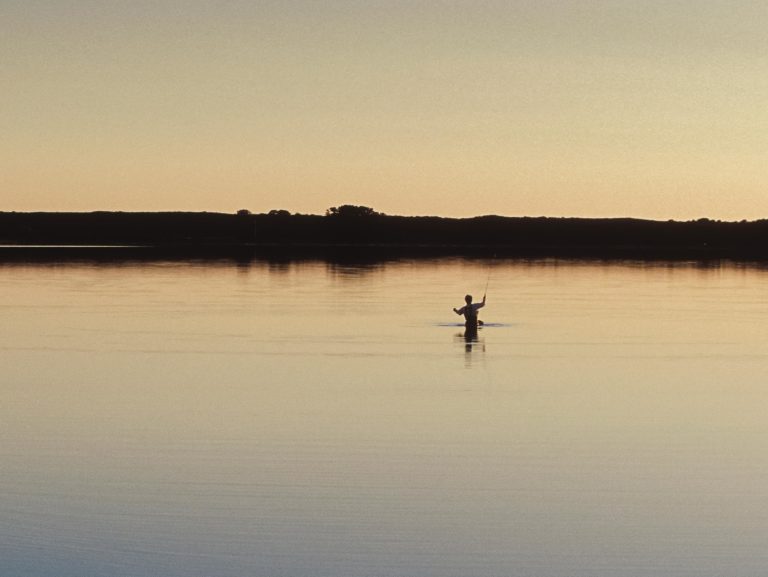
x=317, y=419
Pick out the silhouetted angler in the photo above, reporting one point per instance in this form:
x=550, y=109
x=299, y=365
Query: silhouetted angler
x=469, y=311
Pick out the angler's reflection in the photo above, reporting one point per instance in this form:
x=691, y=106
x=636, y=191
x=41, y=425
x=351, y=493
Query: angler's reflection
x=473, y=343
x=470, y=335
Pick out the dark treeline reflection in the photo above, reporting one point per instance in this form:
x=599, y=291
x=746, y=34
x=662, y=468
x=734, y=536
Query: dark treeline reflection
x=361, y=233
x=340, y=262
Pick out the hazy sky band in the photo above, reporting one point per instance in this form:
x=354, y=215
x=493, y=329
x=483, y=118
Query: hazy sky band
x=651, y=109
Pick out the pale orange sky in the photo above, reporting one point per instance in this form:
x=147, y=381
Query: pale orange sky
x=582, y=108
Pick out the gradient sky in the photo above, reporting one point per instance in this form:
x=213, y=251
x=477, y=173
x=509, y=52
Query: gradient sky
x=645, y=108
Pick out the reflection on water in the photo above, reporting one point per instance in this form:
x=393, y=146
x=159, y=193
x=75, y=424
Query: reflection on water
x=472, y=342
x=309, y=418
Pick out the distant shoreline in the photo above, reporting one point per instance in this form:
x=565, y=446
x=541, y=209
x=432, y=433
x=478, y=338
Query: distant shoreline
x=366, y=234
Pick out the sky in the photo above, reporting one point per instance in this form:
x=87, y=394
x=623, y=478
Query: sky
x=594, y=108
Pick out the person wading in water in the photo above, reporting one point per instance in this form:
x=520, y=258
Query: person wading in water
x=469, y=311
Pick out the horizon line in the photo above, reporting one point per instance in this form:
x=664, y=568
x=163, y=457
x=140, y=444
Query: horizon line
x=247, y=212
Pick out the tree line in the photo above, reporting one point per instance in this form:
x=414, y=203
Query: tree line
x=363, y=228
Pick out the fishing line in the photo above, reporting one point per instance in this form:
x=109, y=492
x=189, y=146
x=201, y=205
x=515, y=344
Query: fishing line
x=488, y=280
